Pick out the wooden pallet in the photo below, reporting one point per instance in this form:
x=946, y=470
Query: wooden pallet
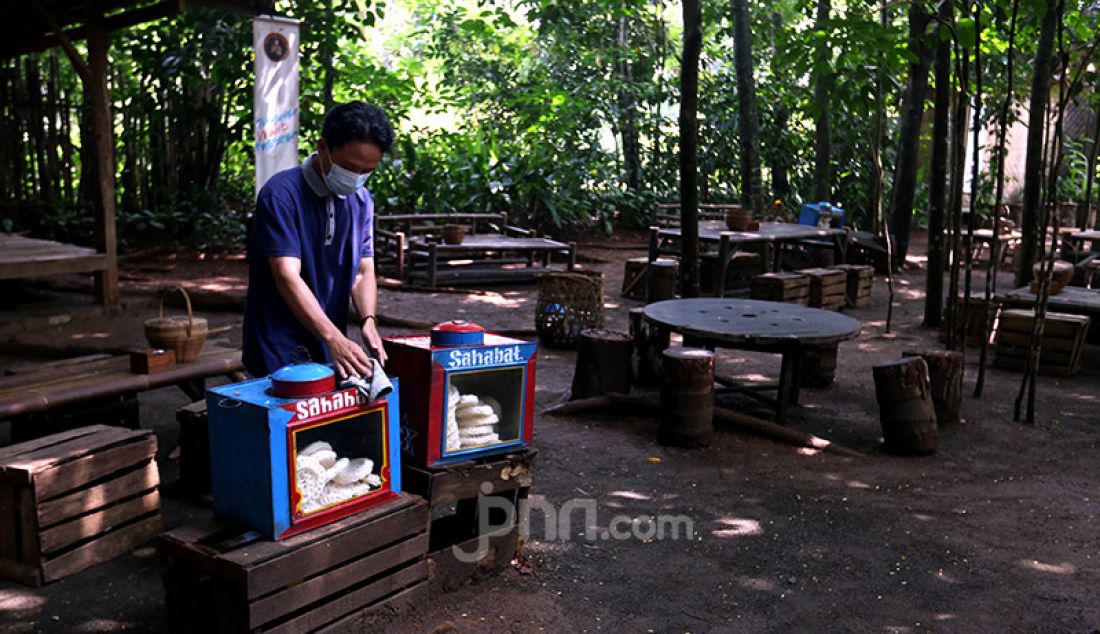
x=75, y=499
x=827, y=287
x=860, y=279
x=458, y=553
x=1061, y=345
x=337, y=578
x=792, y=288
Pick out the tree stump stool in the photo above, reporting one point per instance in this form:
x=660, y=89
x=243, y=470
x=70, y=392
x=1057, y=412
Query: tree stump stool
x=687, y=398
x=649, y=342
x=660, y=283
x=635, y=271
x=945, y=373
x=818, y=366
x=603, y=363
x=906, y=410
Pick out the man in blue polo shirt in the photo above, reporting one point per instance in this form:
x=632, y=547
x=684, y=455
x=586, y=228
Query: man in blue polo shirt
x=311, y=251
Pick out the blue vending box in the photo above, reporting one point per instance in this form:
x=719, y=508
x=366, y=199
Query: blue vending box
x=291, y=452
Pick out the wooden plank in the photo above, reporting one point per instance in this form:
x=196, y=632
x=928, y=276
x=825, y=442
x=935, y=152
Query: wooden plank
x=8, y=522
x=406, y=600
x=58, y=265
x=514, y=471
x=1048, y=343
x=98, y=522
x=335, y=580
x=90, y=499
x=57, y=455
x=300, y=561
x=29, y=551
x=109, y=546
x=67, y=476
x=21, y=573
x=7, y=453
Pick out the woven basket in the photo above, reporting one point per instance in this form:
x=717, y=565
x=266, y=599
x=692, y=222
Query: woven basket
x=185, y=336
x=568, y=304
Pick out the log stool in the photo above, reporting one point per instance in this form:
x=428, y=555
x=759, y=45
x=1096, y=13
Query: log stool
x=792, y=288
x=860, y=279
x=906, y=410
x=635, y=271
x=945, y=373
x=687, y=398
x=817, y=366
x=661, y=280
x=649, y=342
x=603, y=363
x=827, y=287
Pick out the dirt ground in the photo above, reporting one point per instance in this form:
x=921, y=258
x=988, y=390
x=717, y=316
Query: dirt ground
x=996, y=532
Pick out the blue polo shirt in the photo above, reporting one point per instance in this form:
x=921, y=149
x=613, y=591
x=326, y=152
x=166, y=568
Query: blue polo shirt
x=296, y=216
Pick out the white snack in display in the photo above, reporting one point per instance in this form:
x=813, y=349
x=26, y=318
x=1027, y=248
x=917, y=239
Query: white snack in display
x=467, y=411
x=356, y=470
x=485, y=439
x=326, y=457
x=454, y=443
x=314, y=447
x=478, y=430
x=320, y=487
x=477, y=421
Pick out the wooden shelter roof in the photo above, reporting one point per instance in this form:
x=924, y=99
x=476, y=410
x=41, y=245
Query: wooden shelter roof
x=31, y=26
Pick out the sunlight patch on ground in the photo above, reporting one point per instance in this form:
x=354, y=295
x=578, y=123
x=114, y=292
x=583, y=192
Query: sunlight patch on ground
x=756, y=583
x=494, y=300
x=630, y=495
x=90, y=335
x=103, y=625
x=943, y=616
x=738, y=527
x=1063, y=568
x=20, y=600
x=856, y=484
x=924, y=517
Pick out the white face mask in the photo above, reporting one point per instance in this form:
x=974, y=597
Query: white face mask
x=342, y=181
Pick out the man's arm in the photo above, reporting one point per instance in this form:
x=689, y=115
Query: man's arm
x=364, y=294
x=348, y=357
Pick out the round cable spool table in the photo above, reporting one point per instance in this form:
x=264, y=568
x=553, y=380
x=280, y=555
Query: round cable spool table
x=749, y=324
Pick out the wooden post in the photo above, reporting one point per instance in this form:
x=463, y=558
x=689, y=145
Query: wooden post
x=945, y=372
x=905, y=406
x=687, y=398
x=603, y=363
x=660, y=281
x=649, y=342
x=818, y=367
x=400, y=260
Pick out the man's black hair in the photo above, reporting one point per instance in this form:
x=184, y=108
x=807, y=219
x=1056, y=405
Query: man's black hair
x=357, y=121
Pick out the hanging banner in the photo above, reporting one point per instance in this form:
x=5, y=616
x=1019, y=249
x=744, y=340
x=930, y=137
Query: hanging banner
x=275, y=119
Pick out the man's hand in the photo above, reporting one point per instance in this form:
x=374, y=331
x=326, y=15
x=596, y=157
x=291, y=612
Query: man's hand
x=349, y=358
x=373, y=341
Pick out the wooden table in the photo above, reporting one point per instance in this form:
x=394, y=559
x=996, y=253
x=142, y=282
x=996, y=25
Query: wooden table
x=749, y=324
x=998, y=244
x=479, y=258
x=21, y=256
x=1073, y=300
x=728, y=241
x=75, y=385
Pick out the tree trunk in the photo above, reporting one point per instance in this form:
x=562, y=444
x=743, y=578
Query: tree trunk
x=822, y=131
x=687, y=398
x=781, y=186
x=1033, y=170
x=628, y=112
x=752, y=194
x=945, y=375
x=933, y=299
x=689, y=148
x=905, y=175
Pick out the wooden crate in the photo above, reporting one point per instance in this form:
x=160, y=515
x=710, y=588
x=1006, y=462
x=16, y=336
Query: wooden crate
x=860, y=279
x=337, y=578
x=827, y=287
x=459, y=553
x=194, y=444
x=793, y=288
x=1061, y=345
x=75, y=499
x=634, y=271
x=740, y=270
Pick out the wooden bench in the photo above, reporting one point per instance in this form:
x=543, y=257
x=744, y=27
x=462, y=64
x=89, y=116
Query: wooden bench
x=393, y=233
x=668, y=214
